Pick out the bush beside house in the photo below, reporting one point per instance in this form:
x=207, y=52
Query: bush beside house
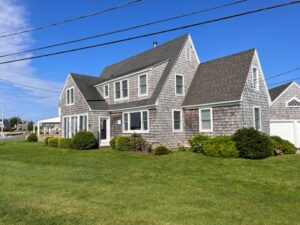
x=161, y=150
x=135, y=142
x=220, y=146
x=53, y=142
x=84, y=140
x=281, y=146
x=32, y=137
x=65, y=142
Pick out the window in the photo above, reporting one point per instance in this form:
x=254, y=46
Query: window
x=177, y=120
x=106, y=91
x=135, y=121
x=82, y=123
x=188, y=54
x=70, y=96
x=206, y=120
x=121, y=89
x=66, y=127
x=179, y=85
x=143, y=87
x=255, y=79
x=257, y=118
x=73, y=124
x=294, y=102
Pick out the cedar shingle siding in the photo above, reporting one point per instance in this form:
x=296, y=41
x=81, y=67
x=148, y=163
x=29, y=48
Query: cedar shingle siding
x=227, y=79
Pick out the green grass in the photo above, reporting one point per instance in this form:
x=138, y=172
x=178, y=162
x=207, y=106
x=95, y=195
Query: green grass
x=42, y=185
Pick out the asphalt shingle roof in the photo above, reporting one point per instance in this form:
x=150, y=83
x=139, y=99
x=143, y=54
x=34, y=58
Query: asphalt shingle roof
x=276, y=91
x=220, y=80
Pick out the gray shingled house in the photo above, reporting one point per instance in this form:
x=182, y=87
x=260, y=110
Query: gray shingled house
x=285, y=112
x=167, y=95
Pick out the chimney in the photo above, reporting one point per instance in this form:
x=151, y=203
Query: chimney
x=154, y=44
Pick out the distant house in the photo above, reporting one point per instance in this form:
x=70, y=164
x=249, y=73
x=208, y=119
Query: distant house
x=285, y=112
x=167, y=95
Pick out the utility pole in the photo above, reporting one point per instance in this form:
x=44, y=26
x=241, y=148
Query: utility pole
x=2, y=124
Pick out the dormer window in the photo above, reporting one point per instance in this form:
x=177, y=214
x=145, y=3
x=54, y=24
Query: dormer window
x=121, y=90
x=255, y=79
x=106, y=91
x=294, y=102
x=70, y=96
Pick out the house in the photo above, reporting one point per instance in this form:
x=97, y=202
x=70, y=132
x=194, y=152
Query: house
x=48, y=127
x=167, y=95
x=285, y=112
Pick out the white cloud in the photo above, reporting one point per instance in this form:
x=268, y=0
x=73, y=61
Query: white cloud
x=13, y=16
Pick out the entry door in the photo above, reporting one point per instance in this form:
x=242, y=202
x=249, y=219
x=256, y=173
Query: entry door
x=104, y=131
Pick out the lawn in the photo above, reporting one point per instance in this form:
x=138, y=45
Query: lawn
x=42, y=185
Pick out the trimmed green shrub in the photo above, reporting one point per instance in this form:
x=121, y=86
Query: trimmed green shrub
x=65, y=142
x=197, y=141
x=282, y=146
x=84, y=140
x=252, y=144
x=53, y=142
x=220, y=146
x=32, y=137
x=46, y=140
x=138, y=143
x=113, y=142
x=123, y=143
x=161, y=150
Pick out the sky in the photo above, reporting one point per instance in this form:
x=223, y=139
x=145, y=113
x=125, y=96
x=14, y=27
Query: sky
x=275, y=34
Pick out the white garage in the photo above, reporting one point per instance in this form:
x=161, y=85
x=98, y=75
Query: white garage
x=286, y=129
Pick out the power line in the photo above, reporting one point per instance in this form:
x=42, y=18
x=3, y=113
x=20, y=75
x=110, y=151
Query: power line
x=284, y=73
x=126, y=29
x=27, y=86
x=285, y=81
x=155, y=33
x=68, y=20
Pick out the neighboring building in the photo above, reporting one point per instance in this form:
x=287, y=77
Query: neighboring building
x=167, y=95
x=49, y=127
x=285, y=112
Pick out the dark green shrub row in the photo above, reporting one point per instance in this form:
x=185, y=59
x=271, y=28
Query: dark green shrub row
x=53, y=142
x=65, y=143
x=32, y=137
x=161, y=150
x=281, y=146
x=135, y=142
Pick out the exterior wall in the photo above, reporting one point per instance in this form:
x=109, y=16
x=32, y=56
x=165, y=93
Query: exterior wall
x=93, y=122
x=153, y=76
x=251, y=98
x=279, y=110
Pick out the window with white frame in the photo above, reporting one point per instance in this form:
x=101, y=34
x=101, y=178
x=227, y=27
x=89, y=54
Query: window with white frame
x=294, y=102
x=73, y=128
x=143, y=85
x=135, y=121
x=255, y=79
x=121, y=89
x=73, y=124
x=70, y=96
x=179, y=84
x=177, y=120
x=66, y=127
x=257, y=118
x=106, y=90
x=83, y=123
x=188, y=54
x=206, y=120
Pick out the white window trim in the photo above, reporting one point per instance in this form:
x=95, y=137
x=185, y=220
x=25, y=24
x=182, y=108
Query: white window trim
x=142, y=125
x=139, y=88
x=188, y=54
x=78, y=118
x=181, y=121
x=106, y=96
x=257, y=107
x=68, y=89
x=291, y=99
x=211, y=121
x=257, y=82
x=121, y=90
x=183, y=88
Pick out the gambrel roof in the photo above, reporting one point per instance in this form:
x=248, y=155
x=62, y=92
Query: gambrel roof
x=220, y=80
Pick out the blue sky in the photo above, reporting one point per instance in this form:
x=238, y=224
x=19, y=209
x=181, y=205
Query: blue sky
x=274, y=33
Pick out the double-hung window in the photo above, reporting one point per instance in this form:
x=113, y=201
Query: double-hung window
x=135, y=121
x=257, y=118
x=143, y=85
x=83, y=123
x=255, y=79
x=106, y=91
x=121, y=89
x=206, y=120
x=177, y=120
x=179, y=84
x=70, y=96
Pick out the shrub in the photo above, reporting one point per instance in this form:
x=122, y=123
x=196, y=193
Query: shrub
x=161, y=150
x=252, y=143
x=138, y=143
x=46, y=140
x=65, y=142
x=197, y=141
x=113, y=142
x=282, y=146
x=221, y=146
x=123, y=143
x=53, y=142
x=84, y=140
x=32, y=137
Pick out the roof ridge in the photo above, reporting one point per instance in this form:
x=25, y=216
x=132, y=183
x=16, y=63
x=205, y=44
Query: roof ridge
x=287, y=85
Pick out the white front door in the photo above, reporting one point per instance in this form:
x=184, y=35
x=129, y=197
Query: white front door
x=104, y=131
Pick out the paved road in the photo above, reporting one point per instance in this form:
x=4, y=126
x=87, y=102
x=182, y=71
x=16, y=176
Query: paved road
x=13, y=138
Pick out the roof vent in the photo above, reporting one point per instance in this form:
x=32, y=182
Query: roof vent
x=154, y=44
